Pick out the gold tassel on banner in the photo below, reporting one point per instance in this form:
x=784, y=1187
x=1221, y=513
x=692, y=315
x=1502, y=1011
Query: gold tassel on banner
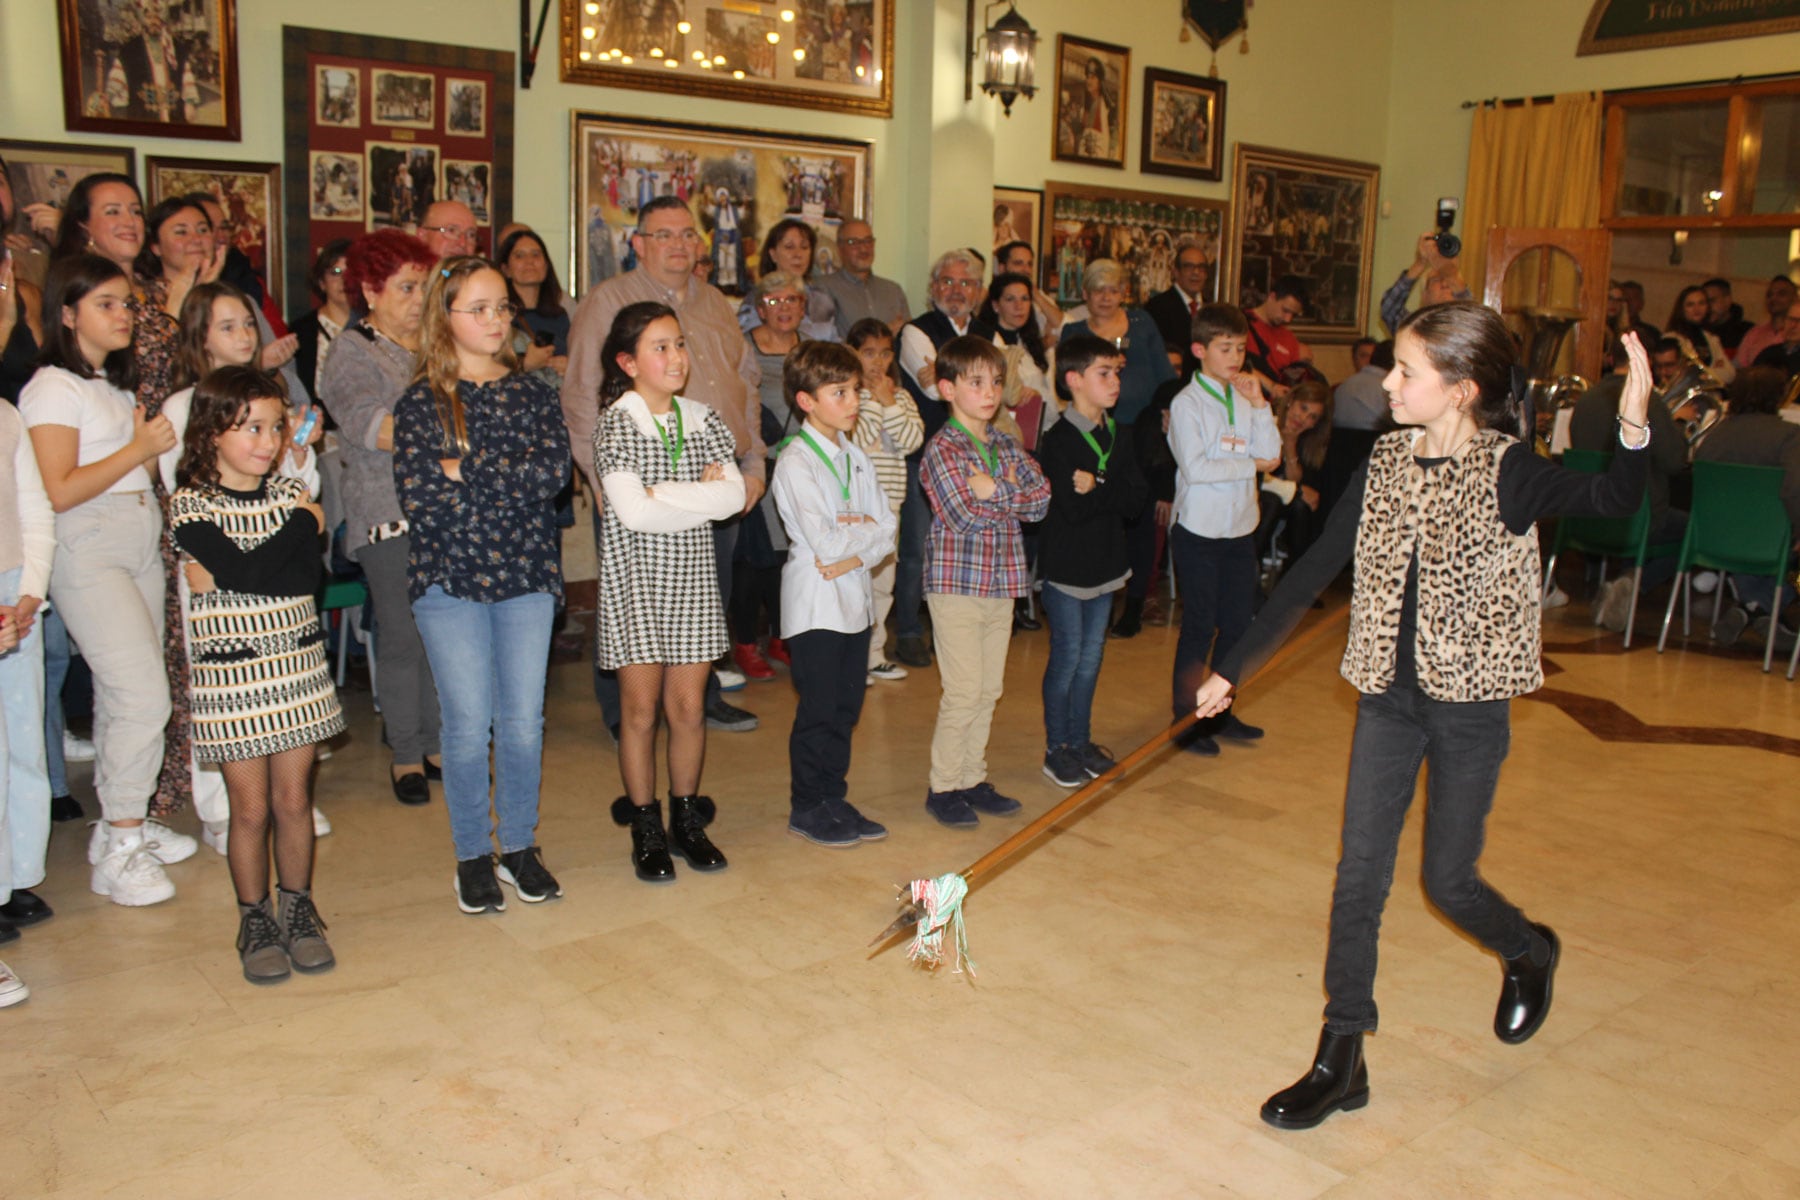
x=1244, y=43
x=1186, y=34
x=1213, y=70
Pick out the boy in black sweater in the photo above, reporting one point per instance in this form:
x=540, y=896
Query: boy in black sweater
x=1095, y=484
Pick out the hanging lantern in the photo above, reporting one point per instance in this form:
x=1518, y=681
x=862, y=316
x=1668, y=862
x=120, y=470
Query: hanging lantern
x=1009, y=58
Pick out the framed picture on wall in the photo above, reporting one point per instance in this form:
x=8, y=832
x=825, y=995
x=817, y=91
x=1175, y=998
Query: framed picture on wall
x=248, y=193
x=1183, y=125
x=379, y=128
x=1141, y=231
x=45, y=173
x=151, y=68
x=836, y=55
x=1019, y=216
x=1301, y=214
x=737, y=182
x=1091, y=103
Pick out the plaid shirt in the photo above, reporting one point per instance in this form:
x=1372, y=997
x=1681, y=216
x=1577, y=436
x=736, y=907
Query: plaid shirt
x=974, y=547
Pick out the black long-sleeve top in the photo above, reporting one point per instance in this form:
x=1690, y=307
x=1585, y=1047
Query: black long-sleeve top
x=285, y=563
x=1530, y=489
x=1082, y=540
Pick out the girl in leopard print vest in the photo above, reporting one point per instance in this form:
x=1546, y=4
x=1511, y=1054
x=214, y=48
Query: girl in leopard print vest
x=1444, y=631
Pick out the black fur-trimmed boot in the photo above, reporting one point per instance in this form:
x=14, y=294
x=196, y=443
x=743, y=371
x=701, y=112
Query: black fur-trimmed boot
x=688, y=819
x=649, y=841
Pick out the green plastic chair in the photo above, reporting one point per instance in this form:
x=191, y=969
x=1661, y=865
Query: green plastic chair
x=1603, y=537
x=1737, y=524
x=347, y=596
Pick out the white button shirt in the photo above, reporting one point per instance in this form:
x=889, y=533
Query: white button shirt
x=809, y=496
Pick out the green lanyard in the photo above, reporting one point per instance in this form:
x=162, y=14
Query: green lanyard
x=1222, y=397
x=990, y=458
x=680, y=443
x=1112, y=442
x=844, y=482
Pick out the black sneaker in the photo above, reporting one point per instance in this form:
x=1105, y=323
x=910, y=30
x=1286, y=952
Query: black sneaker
x=952, y=809
x=477, y=891
x=1236, y=730
x=1095, y=760
x=866, y=830
x=720, y=715
x=1200, y=744
x=65, y=808
x=1063, y=767
x=25, y=908
x=984, y=799
x=823, y=825
x=524, y=872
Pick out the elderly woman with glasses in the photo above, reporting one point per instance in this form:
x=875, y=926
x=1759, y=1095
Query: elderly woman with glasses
x=791, y=247
x=1147, y=368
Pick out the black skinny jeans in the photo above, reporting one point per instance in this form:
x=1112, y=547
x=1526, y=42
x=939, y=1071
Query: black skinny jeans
x=1396, y=731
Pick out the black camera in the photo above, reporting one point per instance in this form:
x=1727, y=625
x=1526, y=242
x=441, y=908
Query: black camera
x=1448, y=244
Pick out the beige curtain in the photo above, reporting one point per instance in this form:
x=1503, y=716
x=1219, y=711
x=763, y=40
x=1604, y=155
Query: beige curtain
x=1534, y=166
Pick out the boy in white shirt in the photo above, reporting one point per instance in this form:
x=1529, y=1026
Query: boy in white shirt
x=1222, y=433
x=839, y=525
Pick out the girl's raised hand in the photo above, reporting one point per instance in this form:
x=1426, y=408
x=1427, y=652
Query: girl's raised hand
x=1634, y=403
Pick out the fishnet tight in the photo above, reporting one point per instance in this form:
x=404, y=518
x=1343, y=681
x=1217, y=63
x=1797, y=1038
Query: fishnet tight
x=680, y=689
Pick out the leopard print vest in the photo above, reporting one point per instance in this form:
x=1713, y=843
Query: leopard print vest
x=1479, y=633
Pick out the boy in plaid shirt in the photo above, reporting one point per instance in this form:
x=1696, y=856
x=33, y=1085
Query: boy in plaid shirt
x=980, y=484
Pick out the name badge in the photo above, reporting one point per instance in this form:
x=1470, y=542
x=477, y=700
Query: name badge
x=1231, y=443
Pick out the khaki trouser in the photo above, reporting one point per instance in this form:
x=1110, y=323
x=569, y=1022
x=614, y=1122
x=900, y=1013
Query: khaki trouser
x=970, y=635
x=108, y=585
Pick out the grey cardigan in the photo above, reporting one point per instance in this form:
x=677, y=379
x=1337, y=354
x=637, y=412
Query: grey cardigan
x=362, y=381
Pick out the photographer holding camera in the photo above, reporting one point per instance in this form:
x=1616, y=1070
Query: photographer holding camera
x=1436, y=261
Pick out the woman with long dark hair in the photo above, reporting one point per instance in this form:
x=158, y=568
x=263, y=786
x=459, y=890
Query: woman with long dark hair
x=1687, y=325
x=541, y=309
x=1445, y=628
x=792, y=246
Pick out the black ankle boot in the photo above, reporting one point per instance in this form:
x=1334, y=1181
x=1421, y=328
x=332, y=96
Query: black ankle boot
x=688, y=818
x=1338, y=1079
x=1131, y=618
x=1525, y=989
x=649, y=843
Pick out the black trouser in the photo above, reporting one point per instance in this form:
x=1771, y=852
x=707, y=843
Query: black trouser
x=1217, y=577
x=1396, y=731
x=830, y=671
x=1140, y=547
x=754, y=591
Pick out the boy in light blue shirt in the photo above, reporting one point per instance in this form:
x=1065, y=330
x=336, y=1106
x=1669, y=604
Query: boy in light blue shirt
x=840, y=526
x=1222, y=433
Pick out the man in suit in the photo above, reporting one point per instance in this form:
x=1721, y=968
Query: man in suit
x=1173, y=310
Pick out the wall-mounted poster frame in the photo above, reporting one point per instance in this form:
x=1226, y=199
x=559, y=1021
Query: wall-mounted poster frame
x=1306, y=215
x=1093, y=104
x=151, y=70
x=249, y=192
x=1183, y=125
x=836, y=55
x=1141, y=231
x=43, y=173
x=737, y=182
x=1019, y=216
x=332, y=135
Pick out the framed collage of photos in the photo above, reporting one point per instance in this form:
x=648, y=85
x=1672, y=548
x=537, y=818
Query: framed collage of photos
x=378, y=129
x=1300, y=214
x=738, y=182
x=1141, y=231
x=248, y=193
x=836, y=55
x=151, y=70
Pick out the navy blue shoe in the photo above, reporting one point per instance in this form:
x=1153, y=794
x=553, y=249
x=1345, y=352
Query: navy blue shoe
x=984, y=799
x=952, y=809
x=823, y=825
x=866, y=830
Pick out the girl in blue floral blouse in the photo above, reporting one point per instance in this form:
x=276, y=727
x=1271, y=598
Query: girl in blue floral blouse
x=480, y=451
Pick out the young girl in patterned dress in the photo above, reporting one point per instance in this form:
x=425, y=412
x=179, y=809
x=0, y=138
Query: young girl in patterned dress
x=667, y=467
x=261, y=684
x=480, y=451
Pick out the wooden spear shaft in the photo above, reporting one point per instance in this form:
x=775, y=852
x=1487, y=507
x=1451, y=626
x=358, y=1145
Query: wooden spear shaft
x=911, y=913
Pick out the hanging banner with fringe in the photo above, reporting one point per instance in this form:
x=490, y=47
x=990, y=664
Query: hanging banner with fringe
x=1216, y=21
x=1614, y=25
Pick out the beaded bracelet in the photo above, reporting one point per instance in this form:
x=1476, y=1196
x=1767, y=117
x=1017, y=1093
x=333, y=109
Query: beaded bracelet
x=1643, y=429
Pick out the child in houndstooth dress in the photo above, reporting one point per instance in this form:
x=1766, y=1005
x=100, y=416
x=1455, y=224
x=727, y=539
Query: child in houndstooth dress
x=666, y=468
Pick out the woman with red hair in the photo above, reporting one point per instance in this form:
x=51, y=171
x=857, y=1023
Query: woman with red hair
x=371, y=364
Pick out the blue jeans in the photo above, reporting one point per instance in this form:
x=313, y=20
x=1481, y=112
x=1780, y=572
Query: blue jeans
x=24, y=787
x=57, y=653
x=909, y=566
x=490, y=662
x=1077, y=642
x=1397, y=731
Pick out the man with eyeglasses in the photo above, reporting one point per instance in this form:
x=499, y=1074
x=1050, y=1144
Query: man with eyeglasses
x=1173, y=310
x=955, y=286
x=449, y=229
x=859, y=292
x=666, y=245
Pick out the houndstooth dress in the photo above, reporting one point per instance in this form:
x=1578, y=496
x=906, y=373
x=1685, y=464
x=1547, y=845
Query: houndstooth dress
x=659, y=592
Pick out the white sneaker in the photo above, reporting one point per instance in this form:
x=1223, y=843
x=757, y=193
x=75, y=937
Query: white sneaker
x=321, y=826
x=888, y=671
x=77, y=749
x=168, y=846
x=730, y=679
x=1555, y=597
x=216, y=834
x=1705, y=582
x=12, y=988
x=129, y=873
